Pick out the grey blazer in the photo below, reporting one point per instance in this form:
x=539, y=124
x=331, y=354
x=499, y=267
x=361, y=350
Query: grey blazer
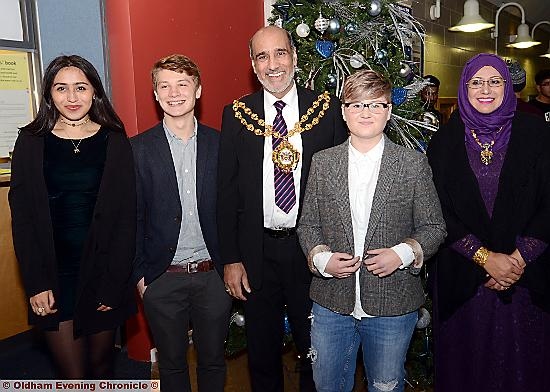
x=405, y=208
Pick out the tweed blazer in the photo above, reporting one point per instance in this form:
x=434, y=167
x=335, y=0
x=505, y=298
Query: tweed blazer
x=405, y=206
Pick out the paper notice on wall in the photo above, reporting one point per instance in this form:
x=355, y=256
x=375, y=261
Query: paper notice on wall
x=15, y=97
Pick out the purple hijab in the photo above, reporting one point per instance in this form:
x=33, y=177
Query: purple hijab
x=487, y=126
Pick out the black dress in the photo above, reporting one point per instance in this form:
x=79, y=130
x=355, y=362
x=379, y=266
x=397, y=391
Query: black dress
x=72, y=179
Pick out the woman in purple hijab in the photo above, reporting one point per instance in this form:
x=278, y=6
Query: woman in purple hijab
x=491, y=168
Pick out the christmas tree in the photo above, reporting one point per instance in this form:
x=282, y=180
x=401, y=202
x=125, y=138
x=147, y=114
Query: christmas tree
x=334, y=38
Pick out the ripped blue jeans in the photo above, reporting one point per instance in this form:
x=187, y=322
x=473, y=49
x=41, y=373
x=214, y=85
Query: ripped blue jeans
x=335, y=340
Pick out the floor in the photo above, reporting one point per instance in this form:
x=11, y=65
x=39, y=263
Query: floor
x=238, y=380
x=33, y=363
x=237, y=374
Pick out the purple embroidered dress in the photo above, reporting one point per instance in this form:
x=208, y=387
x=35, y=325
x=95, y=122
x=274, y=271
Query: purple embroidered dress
x=492, y=342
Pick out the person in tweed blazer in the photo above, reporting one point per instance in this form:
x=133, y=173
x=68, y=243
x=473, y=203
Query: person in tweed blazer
x=370, y=217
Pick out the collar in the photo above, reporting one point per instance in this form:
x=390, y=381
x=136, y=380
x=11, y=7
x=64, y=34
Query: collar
x=373, y=155
x=172, y=135
x=290, y=98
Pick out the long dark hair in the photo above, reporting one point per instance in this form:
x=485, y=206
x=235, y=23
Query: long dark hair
x=101, y=112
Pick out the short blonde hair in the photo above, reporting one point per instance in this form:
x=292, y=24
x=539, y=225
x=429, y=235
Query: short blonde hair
x=366, y=83
x=177, y=63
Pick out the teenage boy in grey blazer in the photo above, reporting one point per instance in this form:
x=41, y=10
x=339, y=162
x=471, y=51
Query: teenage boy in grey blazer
x=370, y=217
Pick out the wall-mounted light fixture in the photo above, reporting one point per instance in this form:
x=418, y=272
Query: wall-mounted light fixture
x=472, y=20
x=547, y=54
x=523, y=39
x=435, y=10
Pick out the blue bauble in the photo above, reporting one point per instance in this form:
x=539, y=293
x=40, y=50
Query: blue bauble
x=398, y=95
x=325, y=48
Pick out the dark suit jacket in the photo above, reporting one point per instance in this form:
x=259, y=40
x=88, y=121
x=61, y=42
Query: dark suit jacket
x=522, y=208
x=159, y=206
x=108, y=252
x=240, y=200
x=404, y=206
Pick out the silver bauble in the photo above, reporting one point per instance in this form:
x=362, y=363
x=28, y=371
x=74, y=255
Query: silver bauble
x=381, y=54
x=239, y=319
x=375, y=7
x=357, y=61
x=351, y=28
x=405, y=70
x=334, y=26
x=331, y=80
x=321, y=24
x=302, y=30
x=424, y=318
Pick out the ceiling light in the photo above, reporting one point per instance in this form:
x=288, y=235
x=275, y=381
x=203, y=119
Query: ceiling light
x=523, y=39
x=471, y=21
x=547, y=54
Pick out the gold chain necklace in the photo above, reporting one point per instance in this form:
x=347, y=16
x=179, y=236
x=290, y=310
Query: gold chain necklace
x=285, y=156
x=75, y=124
x=486, y=154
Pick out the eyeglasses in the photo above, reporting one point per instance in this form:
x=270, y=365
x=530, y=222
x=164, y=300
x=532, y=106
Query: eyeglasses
x=374, y=107
x=478, y=83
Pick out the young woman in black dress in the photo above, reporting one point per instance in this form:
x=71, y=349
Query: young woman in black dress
x=72, y=200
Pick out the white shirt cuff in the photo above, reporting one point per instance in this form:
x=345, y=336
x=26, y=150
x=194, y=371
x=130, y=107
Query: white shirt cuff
x=320, y=261
x=405, y=253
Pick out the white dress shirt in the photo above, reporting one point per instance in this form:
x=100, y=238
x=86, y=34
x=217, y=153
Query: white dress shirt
x=363, y=171
x=274, y=217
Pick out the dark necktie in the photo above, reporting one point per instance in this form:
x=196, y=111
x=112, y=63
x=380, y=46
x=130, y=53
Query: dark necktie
x=285, y=195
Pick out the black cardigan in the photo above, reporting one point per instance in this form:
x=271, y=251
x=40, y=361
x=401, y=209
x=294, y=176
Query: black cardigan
x=109, y=248
x=522, y=208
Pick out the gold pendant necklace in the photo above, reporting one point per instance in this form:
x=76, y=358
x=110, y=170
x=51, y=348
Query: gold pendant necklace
x=486, y=154
x=285, y=156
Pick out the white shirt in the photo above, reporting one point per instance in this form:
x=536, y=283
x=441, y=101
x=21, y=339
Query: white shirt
x=363, y=171
x=274, y=217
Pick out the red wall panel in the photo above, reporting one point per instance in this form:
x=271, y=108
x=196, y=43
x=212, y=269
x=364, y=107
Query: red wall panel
x=214, y=33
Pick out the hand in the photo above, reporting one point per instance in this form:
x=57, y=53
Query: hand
x=42, y=303
x=504, y=269
x=342, y=265
x=384, y=262
x=103, y=308
x=516, y=255
x=235, y=278
x=141, y=287
x=494, y=285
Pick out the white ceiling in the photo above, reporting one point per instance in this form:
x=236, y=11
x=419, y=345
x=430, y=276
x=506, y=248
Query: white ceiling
x=535, y=11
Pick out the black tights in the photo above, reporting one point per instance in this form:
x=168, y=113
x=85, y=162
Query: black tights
x=87, y=357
